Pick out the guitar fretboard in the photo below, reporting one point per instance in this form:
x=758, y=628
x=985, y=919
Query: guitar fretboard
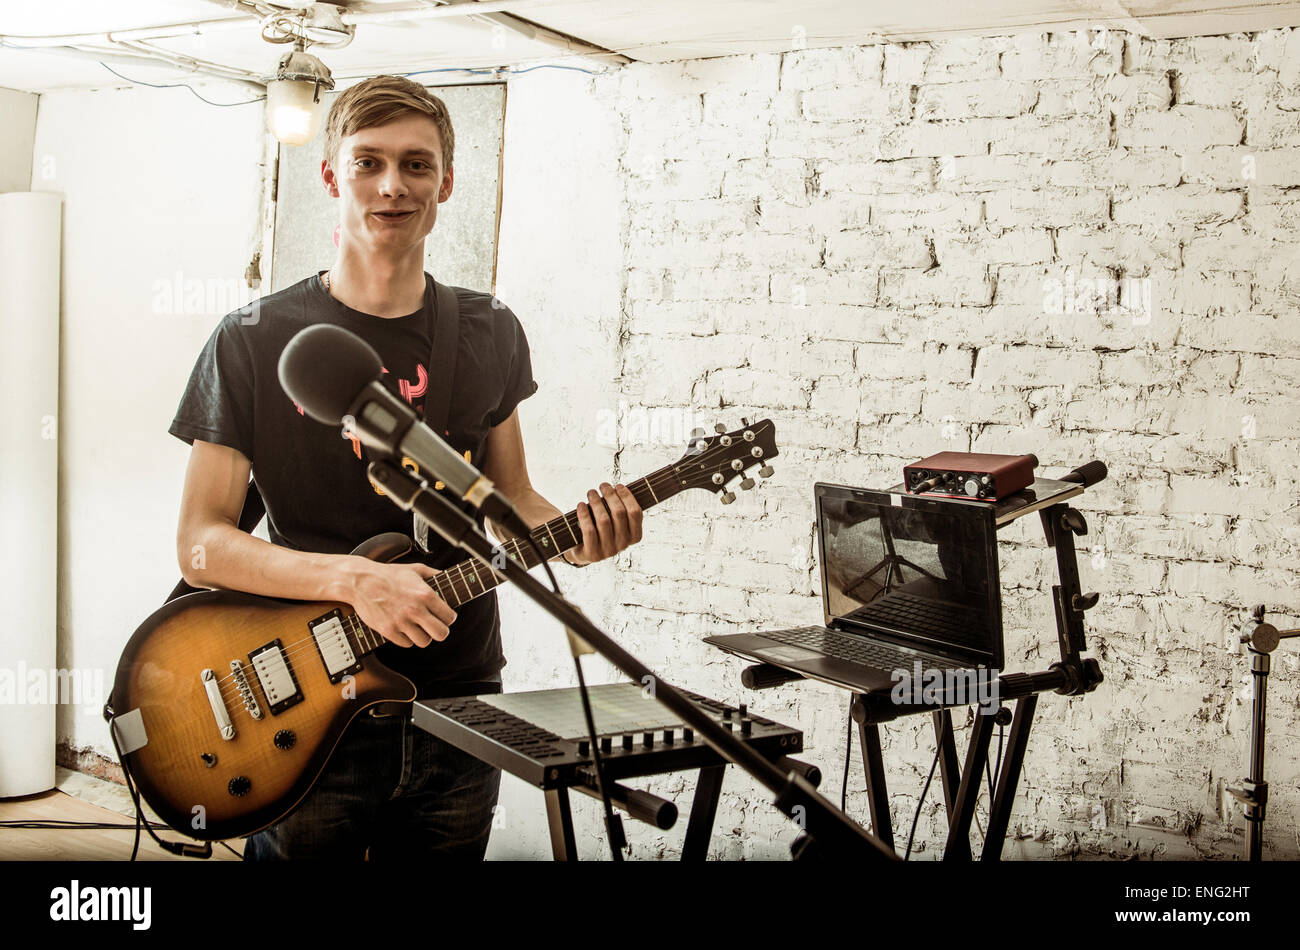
x=470, y=578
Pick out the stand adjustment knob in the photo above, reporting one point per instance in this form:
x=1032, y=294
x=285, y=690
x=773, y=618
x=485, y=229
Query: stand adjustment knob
x=648, y=739
x=1082, y=602
x=1075, y=521
x=746, y=726
x=606, y=743
x=583, y=747
x=627, y=740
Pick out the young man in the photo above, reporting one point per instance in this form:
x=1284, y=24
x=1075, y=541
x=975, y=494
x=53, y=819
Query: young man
x=390, y=790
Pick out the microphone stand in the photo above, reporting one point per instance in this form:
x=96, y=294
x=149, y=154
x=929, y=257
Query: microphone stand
x=828, y=832
x=1253, y=790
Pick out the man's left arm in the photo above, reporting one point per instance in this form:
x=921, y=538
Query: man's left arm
x=610, y=518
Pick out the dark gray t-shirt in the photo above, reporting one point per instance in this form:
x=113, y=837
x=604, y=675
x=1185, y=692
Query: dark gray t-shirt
x=314, y=481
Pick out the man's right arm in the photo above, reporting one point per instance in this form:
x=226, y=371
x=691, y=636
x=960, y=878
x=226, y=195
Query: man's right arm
x=394, y=600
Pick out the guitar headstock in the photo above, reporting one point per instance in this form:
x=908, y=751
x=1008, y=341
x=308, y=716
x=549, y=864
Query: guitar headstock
x=714, y=461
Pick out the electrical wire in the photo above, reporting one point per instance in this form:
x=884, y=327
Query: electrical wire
x=177, y=85
x=921, y=801
x=613, y=826
x=67, y=824
x=848, y=751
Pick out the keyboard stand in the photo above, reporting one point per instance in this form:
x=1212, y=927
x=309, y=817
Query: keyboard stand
x=1072, y=676
x=514, y=742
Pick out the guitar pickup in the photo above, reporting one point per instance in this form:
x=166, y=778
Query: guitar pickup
x=333, y=645
x=275, y=675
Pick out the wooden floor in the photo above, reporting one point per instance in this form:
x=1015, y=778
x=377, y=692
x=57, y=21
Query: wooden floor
x=79, y=844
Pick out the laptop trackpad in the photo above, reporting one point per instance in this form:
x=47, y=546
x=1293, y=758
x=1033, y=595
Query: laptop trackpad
x=788, y=654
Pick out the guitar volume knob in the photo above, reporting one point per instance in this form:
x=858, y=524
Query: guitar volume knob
x=239, y=786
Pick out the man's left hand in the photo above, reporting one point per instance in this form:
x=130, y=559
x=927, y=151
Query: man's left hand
x=610, y=520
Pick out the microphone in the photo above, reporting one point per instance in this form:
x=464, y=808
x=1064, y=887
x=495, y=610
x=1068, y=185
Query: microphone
x=333, y=375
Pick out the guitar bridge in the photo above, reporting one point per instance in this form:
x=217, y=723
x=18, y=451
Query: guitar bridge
x=245, y=691
x=218, y=703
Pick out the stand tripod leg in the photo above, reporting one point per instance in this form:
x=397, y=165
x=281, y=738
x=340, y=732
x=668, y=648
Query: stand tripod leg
x=560, y=819
x=958, y=847
x=708, y=788
x=948, y=768
x=1008, y=778
x=873, y=764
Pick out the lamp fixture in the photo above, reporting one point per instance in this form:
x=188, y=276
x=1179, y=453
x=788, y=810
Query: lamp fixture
x=293, y=98
x=294, y=106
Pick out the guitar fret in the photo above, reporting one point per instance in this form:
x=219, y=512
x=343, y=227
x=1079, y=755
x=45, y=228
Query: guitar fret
x=468, y=579
x=555, y=544
x=459, y=569
x=574, y=529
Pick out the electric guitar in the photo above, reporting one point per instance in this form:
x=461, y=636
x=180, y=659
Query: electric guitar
x=227, y=705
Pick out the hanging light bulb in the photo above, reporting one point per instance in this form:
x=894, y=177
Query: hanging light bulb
x=294, y=105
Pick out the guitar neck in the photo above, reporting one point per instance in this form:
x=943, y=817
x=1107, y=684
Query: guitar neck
x=471, y=578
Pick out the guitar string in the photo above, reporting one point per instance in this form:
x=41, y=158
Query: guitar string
x=228, y=684
x=297, y=648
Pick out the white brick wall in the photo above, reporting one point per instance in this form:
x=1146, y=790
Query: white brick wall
x=860, y=244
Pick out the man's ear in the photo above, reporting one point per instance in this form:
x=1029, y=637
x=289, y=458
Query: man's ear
x=327, y=176
x=445, y=191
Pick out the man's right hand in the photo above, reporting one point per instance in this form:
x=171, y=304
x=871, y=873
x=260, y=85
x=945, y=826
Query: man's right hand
x=396, y=601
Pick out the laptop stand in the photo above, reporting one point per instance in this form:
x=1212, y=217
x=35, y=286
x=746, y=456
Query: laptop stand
x=1072, y=676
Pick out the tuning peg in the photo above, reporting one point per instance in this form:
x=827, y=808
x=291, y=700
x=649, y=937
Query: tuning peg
x=744, y=421
x=719, y=427
x=728, y=497
x=765, y=471
x=747, y=484
x=696, y=433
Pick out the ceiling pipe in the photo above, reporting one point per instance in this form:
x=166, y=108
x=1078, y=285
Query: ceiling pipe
x=197, y=65
x=134, y=40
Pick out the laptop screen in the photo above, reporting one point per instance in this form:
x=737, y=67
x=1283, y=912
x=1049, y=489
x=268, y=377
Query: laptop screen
x=921, y=571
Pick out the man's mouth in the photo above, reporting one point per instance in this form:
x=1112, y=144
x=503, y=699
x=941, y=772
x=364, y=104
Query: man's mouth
x=393, y=215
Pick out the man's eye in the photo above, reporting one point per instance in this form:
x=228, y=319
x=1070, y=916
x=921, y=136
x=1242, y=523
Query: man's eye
x=362, y=161
x=424, y=166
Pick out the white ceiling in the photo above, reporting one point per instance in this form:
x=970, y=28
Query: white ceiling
x=658, y=31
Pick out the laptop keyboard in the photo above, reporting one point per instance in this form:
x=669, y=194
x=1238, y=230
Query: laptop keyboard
x=855, y=649
x=904, y=611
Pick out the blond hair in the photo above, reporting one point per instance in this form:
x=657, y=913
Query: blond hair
x=378, y=101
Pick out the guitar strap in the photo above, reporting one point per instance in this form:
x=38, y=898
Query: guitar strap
x=437, y=407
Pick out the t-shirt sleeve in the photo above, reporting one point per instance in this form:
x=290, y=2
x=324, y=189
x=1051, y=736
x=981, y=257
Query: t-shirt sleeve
x=519, y=382
x=217, y=405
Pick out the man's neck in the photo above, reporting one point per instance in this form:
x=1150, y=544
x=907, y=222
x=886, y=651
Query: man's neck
x=378, y=285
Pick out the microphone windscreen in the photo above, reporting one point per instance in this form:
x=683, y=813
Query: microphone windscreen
x=324, y=368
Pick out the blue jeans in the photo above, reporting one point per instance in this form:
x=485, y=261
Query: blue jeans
x=394, y=792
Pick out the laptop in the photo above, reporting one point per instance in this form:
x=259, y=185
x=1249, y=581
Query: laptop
x=905, y=580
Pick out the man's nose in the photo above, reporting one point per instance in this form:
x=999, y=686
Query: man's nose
x=391, y=183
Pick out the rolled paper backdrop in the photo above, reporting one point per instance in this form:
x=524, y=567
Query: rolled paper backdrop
x=29, y=392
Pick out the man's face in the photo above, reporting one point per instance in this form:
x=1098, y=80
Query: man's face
x=389, y=168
